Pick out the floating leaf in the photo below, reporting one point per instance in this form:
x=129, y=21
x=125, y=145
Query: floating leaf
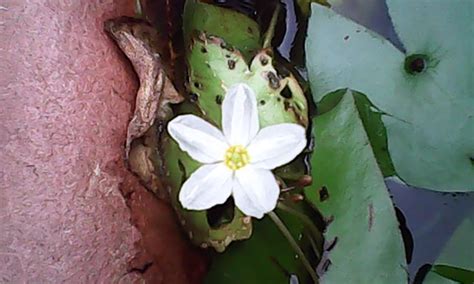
x=425, y=93
x=372, y=119
x=348, y=188
x=238, y=30
x=264, y=258
x=214, y=67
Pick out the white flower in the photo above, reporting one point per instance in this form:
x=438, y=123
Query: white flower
x=237, y=161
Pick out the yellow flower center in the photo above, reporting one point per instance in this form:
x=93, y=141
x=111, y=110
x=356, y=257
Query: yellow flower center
x=236, y=157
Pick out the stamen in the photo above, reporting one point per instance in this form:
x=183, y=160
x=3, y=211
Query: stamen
x=236, y=157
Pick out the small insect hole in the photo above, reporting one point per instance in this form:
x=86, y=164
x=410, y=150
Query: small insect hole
x=273, y=80
x=203, y=50
x=198, y=85
x=231, y=64
x=262, y=102
x=219, y=99
x=286, y=93
x=323, y=193
x=193, y=97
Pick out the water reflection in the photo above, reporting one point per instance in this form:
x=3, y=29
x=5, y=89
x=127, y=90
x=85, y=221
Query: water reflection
x=431, y=217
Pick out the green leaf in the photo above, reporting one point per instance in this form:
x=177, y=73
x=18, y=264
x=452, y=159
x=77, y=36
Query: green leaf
x=349, y=188
x=429, y=113
x=456, y=261
x=372, y=120
x=214, y=67
x=264, y=258
x=238, y=30
x=455, y=273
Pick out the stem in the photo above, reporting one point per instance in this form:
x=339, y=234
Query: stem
x=286, y=233
x=271, y=27
x=306, y=221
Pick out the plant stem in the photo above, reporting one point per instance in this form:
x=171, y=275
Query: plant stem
x=271, y=28
x=286, y=233
x=306, y=221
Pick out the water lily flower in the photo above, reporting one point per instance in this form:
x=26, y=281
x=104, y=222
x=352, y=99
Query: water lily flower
x=238, y=160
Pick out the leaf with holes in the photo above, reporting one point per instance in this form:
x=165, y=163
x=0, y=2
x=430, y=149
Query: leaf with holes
x=214, y=67
x=425, y=93
x=348, y=188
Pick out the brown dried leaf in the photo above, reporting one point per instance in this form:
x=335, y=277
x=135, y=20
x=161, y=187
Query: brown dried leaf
x=141, y=43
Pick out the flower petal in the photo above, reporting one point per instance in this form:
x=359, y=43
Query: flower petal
x=255, y=191
x=209, y=185
x=203, y=142
x=277, y=145
x=239, y=115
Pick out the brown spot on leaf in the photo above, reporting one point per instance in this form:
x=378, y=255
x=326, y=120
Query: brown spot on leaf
x=273, y=80
x=371, y=216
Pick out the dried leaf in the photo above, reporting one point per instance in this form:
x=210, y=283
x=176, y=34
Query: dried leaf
x=141, y=43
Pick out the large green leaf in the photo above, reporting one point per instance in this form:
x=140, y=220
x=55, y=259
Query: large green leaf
x=456, y=261
x=266, y=257
x=237, y=29
x=429, y=111
x=348, y=187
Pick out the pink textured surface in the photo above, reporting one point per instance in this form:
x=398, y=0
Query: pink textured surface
x=65, y=100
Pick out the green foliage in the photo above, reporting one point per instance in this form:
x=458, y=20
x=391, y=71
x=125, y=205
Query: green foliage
x=348, y=188
x=425, y=93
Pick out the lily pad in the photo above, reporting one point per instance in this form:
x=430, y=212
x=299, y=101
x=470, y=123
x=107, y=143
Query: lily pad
x=425, y=92
x=214, y=67
x=266, y=257
x=372, y=120
x=237, y=29
x=349, y=189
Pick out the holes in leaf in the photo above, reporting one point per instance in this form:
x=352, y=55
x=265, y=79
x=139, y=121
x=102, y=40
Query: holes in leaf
x=323, y=193
x=286, y=93
x=198, y=85
x=231, y=64
x=221, y=214
x=273, y=80
x=219, y=99
x=203, y=50
x=263, y=60
x=193, y=97
x=416, y=64
x=262, y=102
